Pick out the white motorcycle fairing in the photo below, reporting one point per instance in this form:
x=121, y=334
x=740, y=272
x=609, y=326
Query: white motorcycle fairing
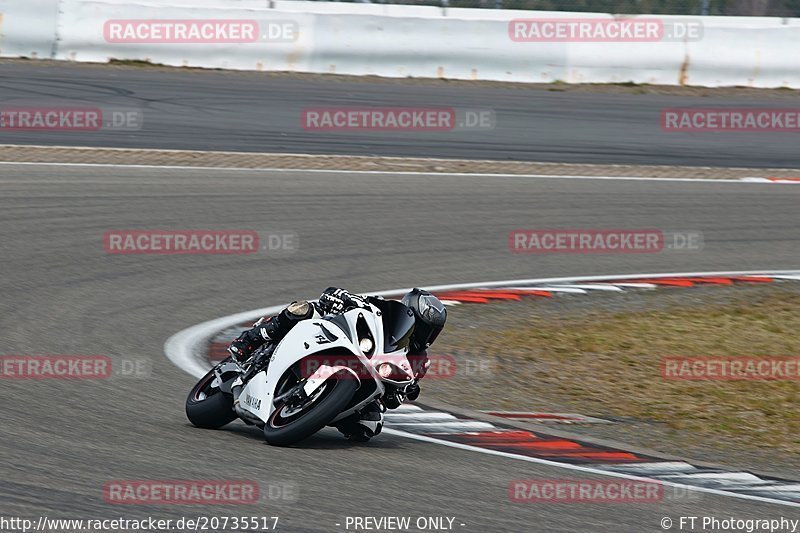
x=312, y=336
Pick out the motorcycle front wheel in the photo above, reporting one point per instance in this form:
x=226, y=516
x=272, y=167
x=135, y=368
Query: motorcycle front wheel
x=288, y=425
x=207, y=406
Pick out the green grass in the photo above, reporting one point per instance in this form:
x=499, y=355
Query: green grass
x=609, y=364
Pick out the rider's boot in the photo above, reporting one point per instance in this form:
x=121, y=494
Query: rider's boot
x=269, y=330
x=363, y=425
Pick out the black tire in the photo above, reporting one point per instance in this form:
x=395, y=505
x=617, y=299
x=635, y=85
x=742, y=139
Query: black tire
x=213, y=411
x=320, y=415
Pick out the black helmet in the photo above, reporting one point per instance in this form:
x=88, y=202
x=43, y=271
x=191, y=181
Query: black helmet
x=429, y=316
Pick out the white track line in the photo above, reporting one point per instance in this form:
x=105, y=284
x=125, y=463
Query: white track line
x=458, y=427
x=664, y=467
x=745, y=181
x=186, y=350
x=562, y=288
x=591, y=287
x=419, y=417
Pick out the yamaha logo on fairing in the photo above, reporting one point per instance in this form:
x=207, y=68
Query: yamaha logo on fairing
x=255, y=403
x=325, y=336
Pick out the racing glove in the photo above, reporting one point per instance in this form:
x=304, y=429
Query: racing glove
x=242, y=347
x=337, y=301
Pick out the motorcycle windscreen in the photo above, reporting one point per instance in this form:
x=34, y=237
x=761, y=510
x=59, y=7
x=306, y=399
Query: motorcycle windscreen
x=398, y=324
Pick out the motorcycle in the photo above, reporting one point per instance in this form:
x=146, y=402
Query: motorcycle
x=322, y=372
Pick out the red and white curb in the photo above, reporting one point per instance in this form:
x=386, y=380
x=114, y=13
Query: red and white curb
x=771, y=179
x=445, y=428
x=189, y=350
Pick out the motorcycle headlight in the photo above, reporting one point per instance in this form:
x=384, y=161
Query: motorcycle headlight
x=393, y=373
x=385, y=370
x=366, y=345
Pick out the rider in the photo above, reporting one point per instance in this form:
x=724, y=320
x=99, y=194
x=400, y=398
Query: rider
x=429, y=319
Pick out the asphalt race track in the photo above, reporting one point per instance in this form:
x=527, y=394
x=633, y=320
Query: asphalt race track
x=210, y=110
x=61, y=441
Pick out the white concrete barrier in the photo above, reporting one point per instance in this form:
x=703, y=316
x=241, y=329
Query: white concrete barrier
x=28, y=28
x=417, y=41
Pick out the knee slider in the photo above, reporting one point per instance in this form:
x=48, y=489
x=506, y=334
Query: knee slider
x=299, y=310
